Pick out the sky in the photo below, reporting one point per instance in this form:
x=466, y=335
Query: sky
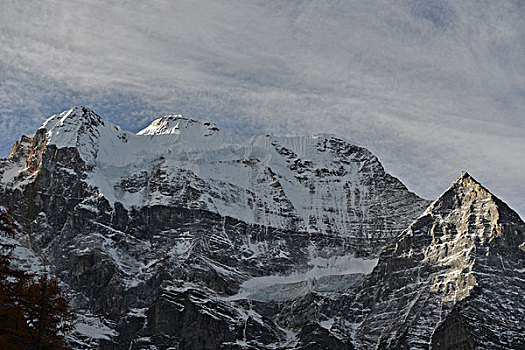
x=431, y=87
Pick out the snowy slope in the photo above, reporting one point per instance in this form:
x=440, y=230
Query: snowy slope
x=311, y=183
x=186, y=235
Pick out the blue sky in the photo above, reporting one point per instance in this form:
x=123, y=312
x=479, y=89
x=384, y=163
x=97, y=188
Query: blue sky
x=431, y=87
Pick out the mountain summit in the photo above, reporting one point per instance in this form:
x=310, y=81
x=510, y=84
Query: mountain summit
x=175, y=124
x=184, y=236
x=452, y=280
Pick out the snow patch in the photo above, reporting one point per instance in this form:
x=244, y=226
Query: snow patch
x=93, y=327
x=327, y=275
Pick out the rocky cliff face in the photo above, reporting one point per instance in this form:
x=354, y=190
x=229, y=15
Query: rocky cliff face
x=186, y=236
x=452, y=280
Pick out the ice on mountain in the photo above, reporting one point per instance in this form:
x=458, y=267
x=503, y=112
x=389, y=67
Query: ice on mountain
x=337, y=273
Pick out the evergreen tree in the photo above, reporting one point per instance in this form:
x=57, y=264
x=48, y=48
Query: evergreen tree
x=34, y=312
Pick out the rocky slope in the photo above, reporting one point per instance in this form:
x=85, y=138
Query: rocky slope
x=452, y=280
x=184, y=236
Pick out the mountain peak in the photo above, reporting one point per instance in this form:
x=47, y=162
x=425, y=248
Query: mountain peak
x=465, y=189
x=466, y=180
x=467, y=219
x=77, y=127
x=174, y=124
x=462, y=256
x=463, y=175
x=72, y=119
x=470, y=196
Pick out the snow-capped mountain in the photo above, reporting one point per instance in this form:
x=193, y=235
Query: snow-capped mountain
x=310, y=184
x=187, y=236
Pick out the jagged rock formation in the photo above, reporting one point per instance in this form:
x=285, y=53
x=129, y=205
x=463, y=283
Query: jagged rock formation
x=452, y=280
x=185, y=236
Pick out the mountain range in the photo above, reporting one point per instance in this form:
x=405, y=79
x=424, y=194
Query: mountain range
x=188, y=236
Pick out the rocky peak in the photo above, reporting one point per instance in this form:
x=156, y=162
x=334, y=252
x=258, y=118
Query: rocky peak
x=475, y=211
x=72, y=119
x=21, y=148
x=79, y=128
x=463, y=253
x=463, y=191
x=461, y=228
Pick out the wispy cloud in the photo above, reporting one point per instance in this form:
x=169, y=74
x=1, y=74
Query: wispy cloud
x=432, y=87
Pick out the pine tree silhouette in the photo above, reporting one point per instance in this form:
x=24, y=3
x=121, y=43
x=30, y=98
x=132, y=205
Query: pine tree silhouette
x=34, y=311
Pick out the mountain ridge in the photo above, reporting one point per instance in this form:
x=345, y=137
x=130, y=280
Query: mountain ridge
x=217, y=240
x=275, y=181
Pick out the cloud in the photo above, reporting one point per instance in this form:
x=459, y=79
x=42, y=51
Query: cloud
x=431, y=87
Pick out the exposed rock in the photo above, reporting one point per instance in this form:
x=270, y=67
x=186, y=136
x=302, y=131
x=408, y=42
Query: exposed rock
x=190, y=237
x=459, y=264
